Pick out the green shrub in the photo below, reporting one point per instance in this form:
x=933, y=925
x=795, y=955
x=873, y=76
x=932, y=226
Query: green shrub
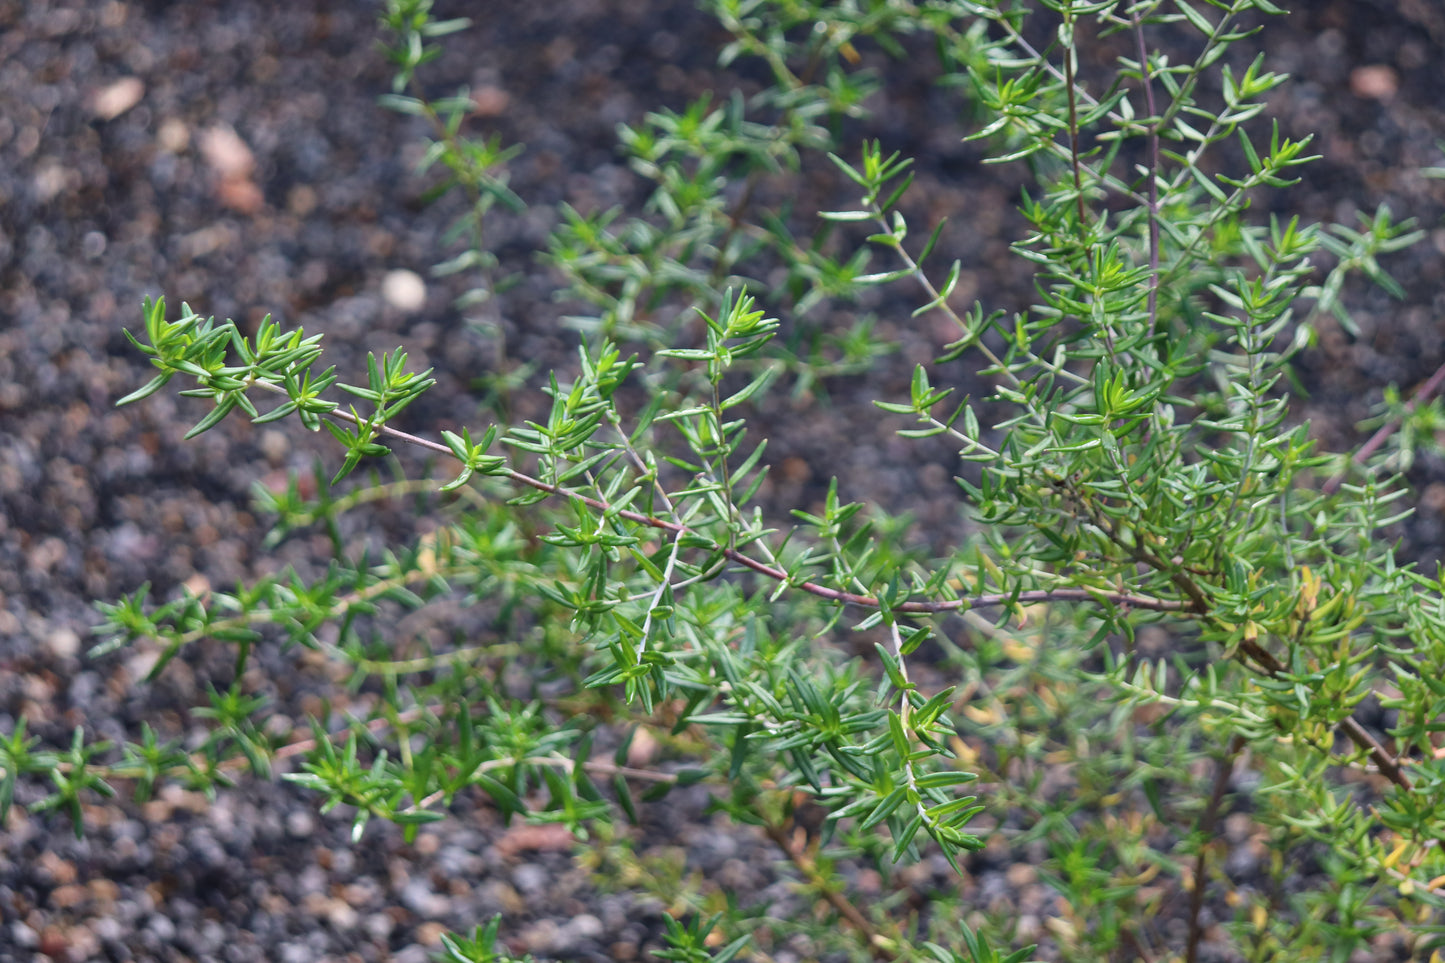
x=1171, y=604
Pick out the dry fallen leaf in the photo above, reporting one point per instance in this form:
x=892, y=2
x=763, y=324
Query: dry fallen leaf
x=545, y=838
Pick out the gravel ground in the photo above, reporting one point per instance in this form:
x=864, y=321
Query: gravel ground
x=232, y=156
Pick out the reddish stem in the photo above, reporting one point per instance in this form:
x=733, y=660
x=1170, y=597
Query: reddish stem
x=1424, y=394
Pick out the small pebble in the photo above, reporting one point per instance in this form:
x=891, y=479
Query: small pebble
x=341, y=916
x=226, y=152
x=275, y=445
x=300, y=823
x=585, y=926
x=294, y=953
x=173, y=136
x=117, y=98
x=418, y=896
x=379, y=926
x=542, y=937
x=162, y=927
x=530, y=879
x=23, y=935
x=63, y=643
x=1374, y=82
x=404, y=290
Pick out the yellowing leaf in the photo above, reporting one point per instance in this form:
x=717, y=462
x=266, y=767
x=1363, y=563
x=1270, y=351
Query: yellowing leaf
x=1018, y=651
x=1389, y=861
x=1309, y=591
x=982, y=716
x=1063, y=930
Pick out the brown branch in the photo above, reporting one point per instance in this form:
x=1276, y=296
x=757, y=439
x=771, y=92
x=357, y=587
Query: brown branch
x=916, y=607
x=377, y=725
x=877, y=944
x=1388, y=764
x=1137, y=942
x=1208, y=821
x=1198, y=605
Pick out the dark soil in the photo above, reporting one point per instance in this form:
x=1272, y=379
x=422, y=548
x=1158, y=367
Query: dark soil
x=232, y=155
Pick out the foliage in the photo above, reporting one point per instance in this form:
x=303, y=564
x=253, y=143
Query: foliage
x=1174, y=606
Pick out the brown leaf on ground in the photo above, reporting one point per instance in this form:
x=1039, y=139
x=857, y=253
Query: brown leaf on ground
x=547, y=838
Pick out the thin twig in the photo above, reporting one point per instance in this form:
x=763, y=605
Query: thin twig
x=905, y=717
x=1208, y=821
x=199, y=762
x=915, y=607
x=1381, y=435
x=1074, y=125
x=850, y=913
x=1136, y=940
x=1388, y=764
x=1152, y=171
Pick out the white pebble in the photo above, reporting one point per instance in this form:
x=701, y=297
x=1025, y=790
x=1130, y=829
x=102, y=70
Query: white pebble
x=404, y=290
x=117, y=98
x=64, y=643
x=586, y=926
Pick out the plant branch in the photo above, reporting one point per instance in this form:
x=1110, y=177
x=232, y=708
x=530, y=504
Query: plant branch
x=914, y=607
x=1388, y=764
x=1072, y=87
x=375, y=727
x=1208, y=822
x=805, y=864
x=1151, y=172
x=1383, y=433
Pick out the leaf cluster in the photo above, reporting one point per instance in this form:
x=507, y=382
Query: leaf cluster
x=1169, y=583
